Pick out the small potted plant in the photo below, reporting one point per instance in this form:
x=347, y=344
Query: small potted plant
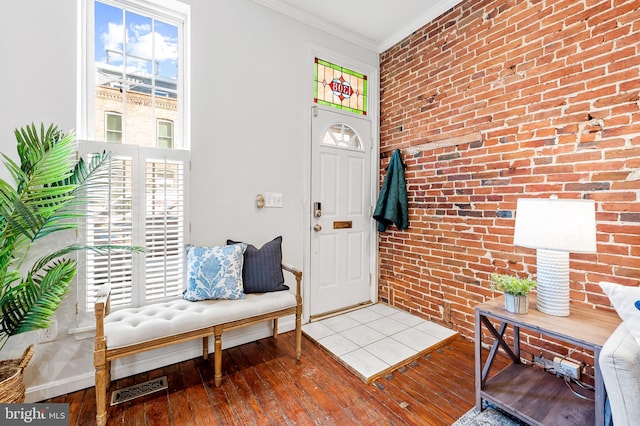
x=516, y=291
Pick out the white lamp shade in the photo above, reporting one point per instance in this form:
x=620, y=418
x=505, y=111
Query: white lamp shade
x=556, y=224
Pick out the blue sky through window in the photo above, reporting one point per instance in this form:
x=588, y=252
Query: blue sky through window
x=147, y=42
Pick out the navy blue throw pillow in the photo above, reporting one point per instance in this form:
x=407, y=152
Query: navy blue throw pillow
x=262, y=270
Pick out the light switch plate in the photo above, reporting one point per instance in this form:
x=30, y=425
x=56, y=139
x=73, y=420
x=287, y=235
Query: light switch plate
x=273, y=199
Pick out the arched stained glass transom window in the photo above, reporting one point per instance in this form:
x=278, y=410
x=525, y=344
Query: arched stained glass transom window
x=339, y=87
x=340, y=135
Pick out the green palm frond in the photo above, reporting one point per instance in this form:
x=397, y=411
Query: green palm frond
x=8, y=283
x=49, y=188
x=30, y=305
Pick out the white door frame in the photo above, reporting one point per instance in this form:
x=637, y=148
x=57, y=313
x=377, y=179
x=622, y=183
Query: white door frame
x=372, y=74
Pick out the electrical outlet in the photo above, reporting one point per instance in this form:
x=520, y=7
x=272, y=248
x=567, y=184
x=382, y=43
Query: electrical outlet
x=48, y=334
x=565, y=367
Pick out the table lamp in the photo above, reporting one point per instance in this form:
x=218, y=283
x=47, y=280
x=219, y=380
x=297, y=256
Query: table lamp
x=555, y=227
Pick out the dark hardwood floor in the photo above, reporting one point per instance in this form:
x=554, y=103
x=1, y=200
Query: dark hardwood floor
x=263, y=384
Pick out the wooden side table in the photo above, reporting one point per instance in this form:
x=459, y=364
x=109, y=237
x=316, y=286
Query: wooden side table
x=537, y=397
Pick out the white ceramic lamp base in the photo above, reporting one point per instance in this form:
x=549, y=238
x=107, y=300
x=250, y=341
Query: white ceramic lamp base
x=553, y=282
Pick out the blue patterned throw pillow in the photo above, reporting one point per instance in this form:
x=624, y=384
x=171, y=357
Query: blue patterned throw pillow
x=214, y=272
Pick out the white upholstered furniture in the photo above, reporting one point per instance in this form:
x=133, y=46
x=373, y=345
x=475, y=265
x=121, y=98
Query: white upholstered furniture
x=620, y=355
x=131, y=331
x=620, y=366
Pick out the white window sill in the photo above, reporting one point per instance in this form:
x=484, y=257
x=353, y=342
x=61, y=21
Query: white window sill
x=84, y=332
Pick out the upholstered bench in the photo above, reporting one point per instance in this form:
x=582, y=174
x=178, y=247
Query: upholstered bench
x=131, y=331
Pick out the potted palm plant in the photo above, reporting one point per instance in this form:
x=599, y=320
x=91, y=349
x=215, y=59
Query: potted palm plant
x=44, y=199
x=516, y=291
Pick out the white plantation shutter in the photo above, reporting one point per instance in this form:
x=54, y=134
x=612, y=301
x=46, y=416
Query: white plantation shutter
x=110, y=221
x=140, y=201
x=164, y=223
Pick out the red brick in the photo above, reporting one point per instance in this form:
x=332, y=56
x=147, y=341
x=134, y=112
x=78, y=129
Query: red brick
x=579, y=157
x=623, y=153
x=626, y=186
x=613, y=196
x=554, y=92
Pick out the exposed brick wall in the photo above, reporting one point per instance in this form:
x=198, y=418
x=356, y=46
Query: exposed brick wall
x=500, y=98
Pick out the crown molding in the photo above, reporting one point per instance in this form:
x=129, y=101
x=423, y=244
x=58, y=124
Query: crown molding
x=435, y=10
x=319, y=23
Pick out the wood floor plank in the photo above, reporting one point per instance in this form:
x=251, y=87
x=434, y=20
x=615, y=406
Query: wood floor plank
x=179, y=407
x=415, y=395
x=75, y=401
x=116, y=413
x=301, y=373
x=87, y=413
x=133, y=410
x=238, y=392
x=291, y=390
x=206, y=409
x=353, y=395
x=156, y=405
x=263, y=384
x=278, y=388
x=260, y=391
x=457, y=389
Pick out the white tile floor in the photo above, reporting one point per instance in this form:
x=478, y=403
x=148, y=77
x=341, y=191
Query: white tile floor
x=376, y=339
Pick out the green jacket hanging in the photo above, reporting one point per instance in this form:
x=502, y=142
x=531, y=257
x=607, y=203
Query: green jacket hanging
x=392, y=206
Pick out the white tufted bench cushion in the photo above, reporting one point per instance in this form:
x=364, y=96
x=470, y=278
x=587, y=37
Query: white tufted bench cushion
x=138, y=325
x=131, y=331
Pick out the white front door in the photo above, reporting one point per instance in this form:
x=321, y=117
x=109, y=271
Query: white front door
x=341, y=211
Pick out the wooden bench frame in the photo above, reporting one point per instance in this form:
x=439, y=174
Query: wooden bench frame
x=102, y=355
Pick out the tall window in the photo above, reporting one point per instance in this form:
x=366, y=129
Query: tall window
x=134, y=107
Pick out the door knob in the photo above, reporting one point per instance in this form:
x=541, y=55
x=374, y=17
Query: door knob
x=317, y=227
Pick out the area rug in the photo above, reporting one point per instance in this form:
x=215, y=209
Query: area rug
x=490, y=416
x=141, y=389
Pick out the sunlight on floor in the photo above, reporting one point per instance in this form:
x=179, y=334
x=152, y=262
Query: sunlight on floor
x=377, y=339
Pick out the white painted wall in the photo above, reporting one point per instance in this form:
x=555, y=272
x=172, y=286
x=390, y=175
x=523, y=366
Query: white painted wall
x=249, y=130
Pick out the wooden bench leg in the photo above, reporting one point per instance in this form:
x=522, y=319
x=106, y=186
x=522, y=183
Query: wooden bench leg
x=217, y=355
x=99, y=360
x=205, y=347
x=298, y=332
x=108, y=375
x=275, y=328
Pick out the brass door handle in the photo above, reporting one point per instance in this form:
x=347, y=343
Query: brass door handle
x=317, y=227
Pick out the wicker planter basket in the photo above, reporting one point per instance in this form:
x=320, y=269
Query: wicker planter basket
x=11, y=374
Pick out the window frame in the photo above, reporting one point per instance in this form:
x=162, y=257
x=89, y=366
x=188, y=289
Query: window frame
x=172, y=12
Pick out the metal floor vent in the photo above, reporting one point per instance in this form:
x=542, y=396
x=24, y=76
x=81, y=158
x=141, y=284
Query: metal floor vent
x=127, y=394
